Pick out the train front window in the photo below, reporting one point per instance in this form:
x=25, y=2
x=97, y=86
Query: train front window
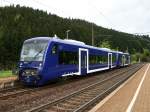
x=33, y=50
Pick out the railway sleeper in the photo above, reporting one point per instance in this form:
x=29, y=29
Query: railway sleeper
x=81, y=101
x=46, y=110
x=67, y=105
x=59, y=109
x=89, y=95
x=73, y=102
x=95, y=90
x=80, y=98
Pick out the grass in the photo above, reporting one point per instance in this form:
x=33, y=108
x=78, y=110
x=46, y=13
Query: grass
x=4, y=74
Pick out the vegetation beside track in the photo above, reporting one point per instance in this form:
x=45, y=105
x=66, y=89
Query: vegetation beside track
x=20, y=23
x=4, y=74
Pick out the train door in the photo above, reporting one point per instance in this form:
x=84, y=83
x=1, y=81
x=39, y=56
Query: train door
x=110, y=60
x=83, y=61
x=129, y=60
x=123, y=60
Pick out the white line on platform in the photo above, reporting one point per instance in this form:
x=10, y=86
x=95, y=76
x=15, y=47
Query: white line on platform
x=129, y=109
x=111, y=94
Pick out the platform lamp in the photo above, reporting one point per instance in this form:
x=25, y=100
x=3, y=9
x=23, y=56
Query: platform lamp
x=67, y=32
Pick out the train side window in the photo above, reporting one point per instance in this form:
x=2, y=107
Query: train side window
x=114, y=58
x=98, y=59
x=68, y=57
x=54, y=49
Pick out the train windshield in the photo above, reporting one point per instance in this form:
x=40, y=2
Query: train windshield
x=33, y=50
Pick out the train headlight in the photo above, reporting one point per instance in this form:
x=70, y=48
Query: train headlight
x=30, y=72
x=33, y=72
x=40, y=64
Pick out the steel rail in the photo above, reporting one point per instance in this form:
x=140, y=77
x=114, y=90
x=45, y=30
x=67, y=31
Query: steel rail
x=49, y=104
x=15, y=92
x=95, y=99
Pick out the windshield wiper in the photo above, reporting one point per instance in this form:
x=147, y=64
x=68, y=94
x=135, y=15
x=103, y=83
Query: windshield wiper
x=35, y=56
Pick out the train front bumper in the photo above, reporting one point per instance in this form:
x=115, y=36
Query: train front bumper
x=30, y=80
x=30, y=77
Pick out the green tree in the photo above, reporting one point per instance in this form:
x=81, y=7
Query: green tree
x=105, y=44
x=20, y=23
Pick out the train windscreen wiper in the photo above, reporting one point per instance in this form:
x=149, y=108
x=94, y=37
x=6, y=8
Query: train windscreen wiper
x=35, y=56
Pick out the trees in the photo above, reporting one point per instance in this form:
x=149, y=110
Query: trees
x=105, y=44
x=146, y=55
x=20, y=23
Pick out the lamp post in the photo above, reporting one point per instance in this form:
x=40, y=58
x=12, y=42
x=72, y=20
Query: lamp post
x=67, y=33
x=92, y=35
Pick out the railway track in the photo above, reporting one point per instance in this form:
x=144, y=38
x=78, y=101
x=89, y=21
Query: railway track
x=5, y=94
x=20, y=90
x=81, y=100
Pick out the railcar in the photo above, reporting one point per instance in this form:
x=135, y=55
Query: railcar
x=123, y=59
x=46, y=58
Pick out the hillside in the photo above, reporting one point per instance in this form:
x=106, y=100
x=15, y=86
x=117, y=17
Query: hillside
x=20, y=23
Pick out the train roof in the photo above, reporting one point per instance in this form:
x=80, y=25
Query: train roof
x=79, y=43
x=126, y=53
x=73, y=42
x=38, y=38
x=70, y=41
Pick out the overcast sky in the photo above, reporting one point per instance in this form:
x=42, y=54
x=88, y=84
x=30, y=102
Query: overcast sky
x=132, y=16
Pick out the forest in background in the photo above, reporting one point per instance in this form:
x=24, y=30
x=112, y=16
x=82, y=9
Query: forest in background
x=20, y=23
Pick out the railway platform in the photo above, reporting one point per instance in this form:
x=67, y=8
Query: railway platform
x=131, y=96
x=8, y=79
x=7, y=82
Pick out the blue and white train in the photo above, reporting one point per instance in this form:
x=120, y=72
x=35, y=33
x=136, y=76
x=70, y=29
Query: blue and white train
x=45, y=58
